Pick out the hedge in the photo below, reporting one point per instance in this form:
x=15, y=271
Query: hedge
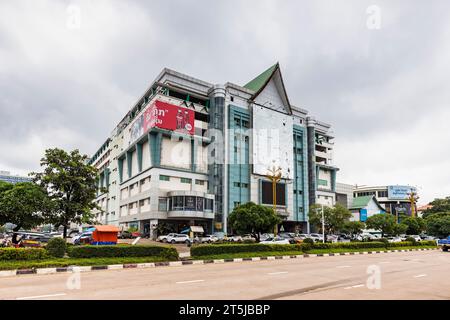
x=206, y=250
x=122, y=251
x=23, y=254
x=411, y=244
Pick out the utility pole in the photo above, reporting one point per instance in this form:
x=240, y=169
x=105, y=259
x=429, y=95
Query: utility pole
x=323, y=225
x=274, y=175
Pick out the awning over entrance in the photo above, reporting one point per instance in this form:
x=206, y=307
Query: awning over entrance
x=197, y=229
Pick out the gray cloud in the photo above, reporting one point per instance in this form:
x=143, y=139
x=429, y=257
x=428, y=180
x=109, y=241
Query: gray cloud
x=385, y=91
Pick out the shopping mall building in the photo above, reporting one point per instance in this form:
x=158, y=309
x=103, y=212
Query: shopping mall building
x=189, y=151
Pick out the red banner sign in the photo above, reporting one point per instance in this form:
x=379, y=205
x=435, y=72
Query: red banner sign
x=165, y=116
x=168, y=116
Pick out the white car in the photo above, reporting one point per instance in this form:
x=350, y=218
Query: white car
x=275, y=241
x=164, y=238
x=417, y=238
x=395, y=239
x=178, y=238
x=208, y=239
x=316, y=237
x=235, y=238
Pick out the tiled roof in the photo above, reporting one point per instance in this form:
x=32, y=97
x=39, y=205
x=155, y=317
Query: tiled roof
x=257, y=83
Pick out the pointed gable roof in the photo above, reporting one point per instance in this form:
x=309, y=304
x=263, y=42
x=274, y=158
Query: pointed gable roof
x=362, y=202
x=261, y=81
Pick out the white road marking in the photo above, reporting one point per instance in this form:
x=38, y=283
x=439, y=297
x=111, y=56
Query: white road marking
x=420, y=276
x=355, y=286
x=43, y=296
x=343, y=266
x=274, y=273
x=191, y=281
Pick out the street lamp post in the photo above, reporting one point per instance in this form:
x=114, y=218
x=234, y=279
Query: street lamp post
x=413, y=197
x=323, y=225
x=274, y=175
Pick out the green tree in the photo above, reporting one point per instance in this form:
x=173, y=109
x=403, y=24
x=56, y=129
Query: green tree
x=335, y=218
x=399, y=228
x=382, y=222
x=24, y=206
x=414, y=225
x=4, y=186
x=439, y=205
x=253, y=218
x=438, y=224
x=353, y=228
x=71, y=185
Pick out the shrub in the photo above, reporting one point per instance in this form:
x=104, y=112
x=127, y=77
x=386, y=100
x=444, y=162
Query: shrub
x=206, y=250
x=56, y=247
x=308, y=241
x=122, y=251
x=23, y=254
x=411, y=239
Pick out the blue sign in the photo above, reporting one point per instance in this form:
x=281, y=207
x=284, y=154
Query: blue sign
x=400, y=192
x=363, y=215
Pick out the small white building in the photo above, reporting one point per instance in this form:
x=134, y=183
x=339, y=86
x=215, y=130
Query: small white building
x=365, y=207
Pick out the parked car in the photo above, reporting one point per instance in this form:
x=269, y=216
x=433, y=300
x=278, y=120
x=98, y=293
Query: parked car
x=316, y=237
x=125, y=235
x=444, y=243
x=416, y=237
x=164, y=237
x=208, y=239
x=395, y=239
x=136, y=234
x=275, y=240
x=288, y=236
x=234, y=238
x=82, y=238
x=220, y=235
x=178, y=238
x=265, y=236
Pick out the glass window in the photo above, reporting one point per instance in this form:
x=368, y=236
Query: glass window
x=200, y=182
x=199, y=204
x=186, y=180
x=245, y=124
x=164, y=178
x=162, y=204
x=189, y=203
x=178, y=203
x=208, y=204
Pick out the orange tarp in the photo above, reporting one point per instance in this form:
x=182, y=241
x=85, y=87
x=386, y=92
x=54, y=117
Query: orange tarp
x=105, y=234
x=107, y=228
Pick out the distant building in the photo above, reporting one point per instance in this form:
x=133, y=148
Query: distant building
x=394, y=198
x=344, y=194
x=365, y=207
x=8, y=177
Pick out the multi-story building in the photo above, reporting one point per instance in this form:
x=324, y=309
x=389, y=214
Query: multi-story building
x=8, y=177
x=189, y=152
x=394, y=198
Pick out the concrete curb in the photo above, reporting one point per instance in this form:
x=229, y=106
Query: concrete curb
x=74, y=269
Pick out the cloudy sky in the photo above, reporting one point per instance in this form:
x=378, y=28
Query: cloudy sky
x=70, y=70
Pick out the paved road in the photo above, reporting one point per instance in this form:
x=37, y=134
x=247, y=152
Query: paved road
x=407, y=275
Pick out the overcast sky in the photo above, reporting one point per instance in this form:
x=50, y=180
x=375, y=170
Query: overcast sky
x=382, y=81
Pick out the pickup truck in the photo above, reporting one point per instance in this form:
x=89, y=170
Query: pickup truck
x=445, y=243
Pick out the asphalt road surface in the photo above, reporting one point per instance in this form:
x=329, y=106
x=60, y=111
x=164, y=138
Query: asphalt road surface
x=402, y=275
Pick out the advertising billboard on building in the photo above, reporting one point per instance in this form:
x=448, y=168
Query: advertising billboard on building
x=163, y=115
x=399, y=192
x=272, y=141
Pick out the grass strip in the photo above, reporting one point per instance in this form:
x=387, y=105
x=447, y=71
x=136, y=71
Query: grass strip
x=65, y=262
